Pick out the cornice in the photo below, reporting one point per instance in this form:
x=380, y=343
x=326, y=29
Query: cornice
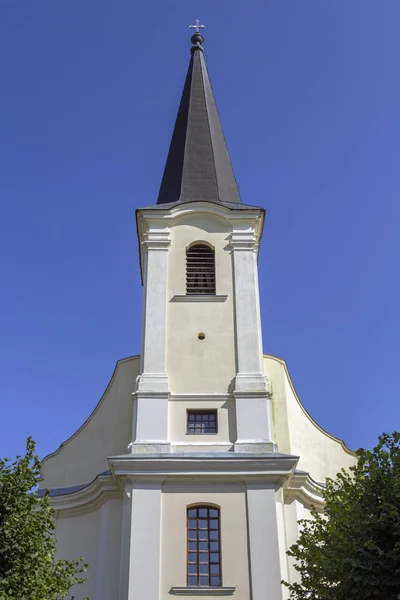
x=300, y=486
x=86, y=499
x=206, y=465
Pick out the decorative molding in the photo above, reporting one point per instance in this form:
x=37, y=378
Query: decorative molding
x=244, y=239
x=152, y=385
x=251, y=384
x=254, y=447
x=202, y=591
x=300, y=486
x=199, y=298
x=87, y=498
x=227, y=466
x=149, y=447
x=201, y=396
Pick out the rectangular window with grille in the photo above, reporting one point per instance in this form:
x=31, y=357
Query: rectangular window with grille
x=202, y=421
x=200, y=270
x=204, y=556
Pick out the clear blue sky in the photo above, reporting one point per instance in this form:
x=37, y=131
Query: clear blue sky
x=309, y=96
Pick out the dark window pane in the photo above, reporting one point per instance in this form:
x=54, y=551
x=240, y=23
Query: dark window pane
x=204, y=546
x=203, y=535
x=192, y=534
x=203, y=524
x=192, y=523
x=214, y=546
x=192, y=581
x=213, y=513
x=192, y=569
x=204, y=580
x=215, y=581
x=214, y=535
x=203, y=513
x=213, y=524
x=193, y=546
x=204, y=569
x=192, y=512
x=214, y=557
x=204, y=558
x=214, y=569
x=192, y=557
x=198, y=417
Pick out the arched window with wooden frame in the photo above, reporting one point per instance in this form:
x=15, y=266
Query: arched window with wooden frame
x=203, y=546
x=200, y=270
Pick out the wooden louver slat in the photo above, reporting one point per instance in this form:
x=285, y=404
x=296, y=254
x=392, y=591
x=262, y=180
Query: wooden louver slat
x=200, y=270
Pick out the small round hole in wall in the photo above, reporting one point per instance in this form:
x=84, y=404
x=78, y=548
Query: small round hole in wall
x=201, y=336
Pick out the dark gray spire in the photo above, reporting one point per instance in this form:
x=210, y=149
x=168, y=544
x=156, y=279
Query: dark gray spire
x=198, y=166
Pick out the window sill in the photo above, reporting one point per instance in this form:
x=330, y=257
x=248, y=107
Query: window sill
x=201, y=434
x=202, y=591
x=199, y=298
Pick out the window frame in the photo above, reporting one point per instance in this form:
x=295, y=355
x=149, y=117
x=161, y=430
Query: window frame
x=201, y=411
x=219, y=563
x=209, y=291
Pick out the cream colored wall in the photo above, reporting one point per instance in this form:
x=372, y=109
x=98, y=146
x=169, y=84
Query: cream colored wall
x=232, y=501
x=96, y=536
x=107, y=432
x=321, y=455
x=76, y=537
x=177, y=417
x=194, y=365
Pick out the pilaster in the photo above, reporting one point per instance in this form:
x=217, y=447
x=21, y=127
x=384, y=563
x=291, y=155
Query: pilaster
x=265, y=572
x=253, y=404
x=150, y=434
x=141, y=560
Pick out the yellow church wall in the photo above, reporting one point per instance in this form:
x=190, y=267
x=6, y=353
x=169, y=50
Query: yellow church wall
x=107, y=432
x=231, y=499
x=195, y=366
x=321, y=454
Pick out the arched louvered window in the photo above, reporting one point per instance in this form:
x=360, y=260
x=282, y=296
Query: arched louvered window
x=204, y=546
x=200, y=270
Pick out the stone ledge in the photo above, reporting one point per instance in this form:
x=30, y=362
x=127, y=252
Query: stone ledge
x=199, y=298
x=202, y=591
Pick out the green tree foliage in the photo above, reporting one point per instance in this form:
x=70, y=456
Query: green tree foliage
x=352, y=551
x=28, y=569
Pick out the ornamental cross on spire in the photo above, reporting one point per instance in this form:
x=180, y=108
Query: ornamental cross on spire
x=197, y=26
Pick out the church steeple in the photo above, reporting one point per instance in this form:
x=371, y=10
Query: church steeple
x=198, y=166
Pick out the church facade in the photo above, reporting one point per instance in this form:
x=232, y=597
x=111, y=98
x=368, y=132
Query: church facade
x=190, y=475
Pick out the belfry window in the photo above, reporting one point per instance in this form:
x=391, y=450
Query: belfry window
x=203, y=543
x=200, y=270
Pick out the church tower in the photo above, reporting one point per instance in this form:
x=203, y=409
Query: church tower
x=189, y=477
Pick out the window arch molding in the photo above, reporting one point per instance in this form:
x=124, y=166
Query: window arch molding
x=200, y=269
x=203, y=545
x=200, y=242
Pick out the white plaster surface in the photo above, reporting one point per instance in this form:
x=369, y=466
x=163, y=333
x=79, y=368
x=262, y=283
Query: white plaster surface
x=265, y=571
x=145, y=541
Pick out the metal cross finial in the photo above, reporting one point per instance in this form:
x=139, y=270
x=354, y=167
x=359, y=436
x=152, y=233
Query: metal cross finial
x=197, y=26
